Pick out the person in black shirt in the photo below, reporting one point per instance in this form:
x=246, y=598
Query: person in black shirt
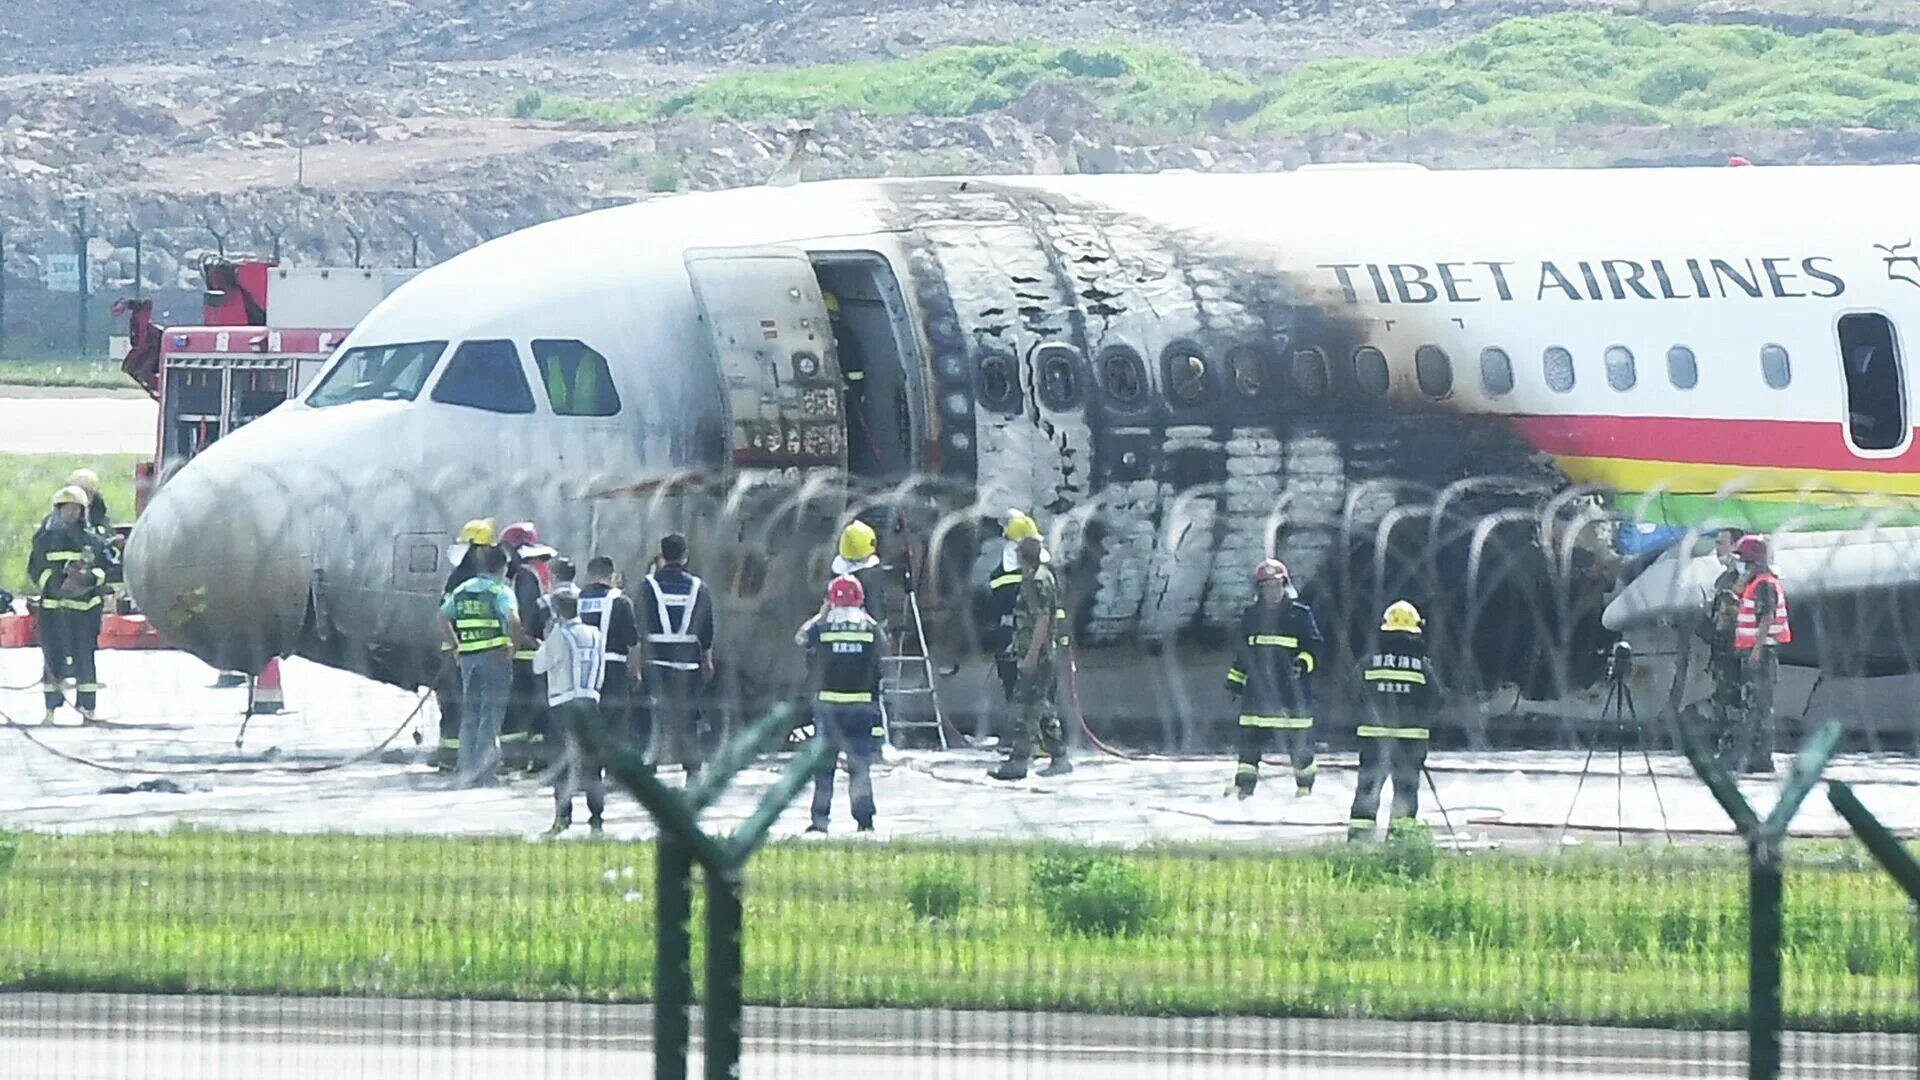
x=610, y=611
x=676, y=653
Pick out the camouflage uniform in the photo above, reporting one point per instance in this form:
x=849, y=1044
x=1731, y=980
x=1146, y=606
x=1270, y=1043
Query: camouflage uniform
x=1035, y=695
x=1728, y=702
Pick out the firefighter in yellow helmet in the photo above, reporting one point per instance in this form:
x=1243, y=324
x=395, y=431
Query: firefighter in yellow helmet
x=1400, y=692
x=859, y=558
x=474, y=538
x=994, y=614
x=66, y=567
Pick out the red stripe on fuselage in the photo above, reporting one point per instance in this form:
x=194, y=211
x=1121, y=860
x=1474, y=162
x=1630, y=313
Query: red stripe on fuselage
x=1774, y=444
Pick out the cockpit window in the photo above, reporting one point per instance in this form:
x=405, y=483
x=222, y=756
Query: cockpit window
x=577, y=380
x=485, y=375
x=378, y=373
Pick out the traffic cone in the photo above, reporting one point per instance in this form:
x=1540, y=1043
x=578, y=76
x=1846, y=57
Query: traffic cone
x=265, y=697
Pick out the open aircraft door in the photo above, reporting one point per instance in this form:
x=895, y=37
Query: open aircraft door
x=775, y=352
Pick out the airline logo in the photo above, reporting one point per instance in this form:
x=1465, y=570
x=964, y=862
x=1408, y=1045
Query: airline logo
x=1901, y=267
x=1495, y=281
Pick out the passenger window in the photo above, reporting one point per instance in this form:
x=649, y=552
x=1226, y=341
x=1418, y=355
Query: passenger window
x=1559, y=365
x=1433, y=369
x=1775, y=367
x=1370, y=371
x=485, y=375
x=577, y=380
x=378, y=373
x=1876, y=394
x=1496, y=371
x=1310, y=373
x=1620, y=370
x=1682, y=369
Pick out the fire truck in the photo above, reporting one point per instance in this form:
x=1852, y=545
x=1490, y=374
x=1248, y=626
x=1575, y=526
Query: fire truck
x=265, y=333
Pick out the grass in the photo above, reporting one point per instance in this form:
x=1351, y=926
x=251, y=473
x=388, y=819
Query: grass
x=27, y=484
x=1633, y=938
x=1541, y=72
x=92, y=373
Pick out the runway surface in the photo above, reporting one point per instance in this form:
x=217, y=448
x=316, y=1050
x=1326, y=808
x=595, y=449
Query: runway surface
x=58, y=420
x=317, y=767
x=113, y=1036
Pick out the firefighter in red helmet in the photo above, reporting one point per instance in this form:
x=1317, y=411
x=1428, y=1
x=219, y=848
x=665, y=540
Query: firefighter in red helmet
x=1760, y=626
x=846, y=645
x=1275, y=653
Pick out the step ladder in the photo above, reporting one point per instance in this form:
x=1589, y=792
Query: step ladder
x=906, y=675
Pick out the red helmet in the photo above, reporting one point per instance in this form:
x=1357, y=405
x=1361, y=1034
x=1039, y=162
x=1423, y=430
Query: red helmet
x=518, y=535
x=1751, y=549
x=845, y=591
x=1270, y=569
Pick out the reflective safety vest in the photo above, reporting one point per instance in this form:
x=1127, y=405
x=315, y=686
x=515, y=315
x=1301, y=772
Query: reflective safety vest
x=674, y=631
x=476, y=622
x=849, y=663
x=1746, y=625
x=596, y=611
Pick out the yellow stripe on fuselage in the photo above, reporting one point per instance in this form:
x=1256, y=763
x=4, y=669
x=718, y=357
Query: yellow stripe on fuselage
x=1848, y=488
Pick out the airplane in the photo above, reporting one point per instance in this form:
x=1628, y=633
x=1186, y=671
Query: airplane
x=1522, y=398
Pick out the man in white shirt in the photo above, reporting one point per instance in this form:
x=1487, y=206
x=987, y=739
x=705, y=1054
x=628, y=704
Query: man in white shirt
x=573, y=659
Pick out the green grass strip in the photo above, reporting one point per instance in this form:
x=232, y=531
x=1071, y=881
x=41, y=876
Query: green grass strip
x=1632, y=938
x=93, y=374
x=1521, y=73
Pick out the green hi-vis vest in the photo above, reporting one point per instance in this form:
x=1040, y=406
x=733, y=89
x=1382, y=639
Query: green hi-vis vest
x=476, y=623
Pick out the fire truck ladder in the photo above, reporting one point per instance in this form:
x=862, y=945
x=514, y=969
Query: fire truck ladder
x=906, y=674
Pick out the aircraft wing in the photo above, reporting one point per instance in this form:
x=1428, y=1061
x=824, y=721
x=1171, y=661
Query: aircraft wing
x=1811, y=565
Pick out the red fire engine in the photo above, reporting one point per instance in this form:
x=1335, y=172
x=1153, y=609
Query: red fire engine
x=266, y=331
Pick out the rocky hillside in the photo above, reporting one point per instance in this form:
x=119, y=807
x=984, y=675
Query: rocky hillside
x=389, y=126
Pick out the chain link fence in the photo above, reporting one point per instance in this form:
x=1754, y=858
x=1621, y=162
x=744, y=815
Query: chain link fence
x=199, y=884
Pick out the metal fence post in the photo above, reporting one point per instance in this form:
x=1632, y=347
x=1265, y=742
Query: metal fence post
x=80, y=237
x=139, y=267
x=1893, y=857
x=725, y=971
x=1766, y=846
x=673, y=958
x=3, y=291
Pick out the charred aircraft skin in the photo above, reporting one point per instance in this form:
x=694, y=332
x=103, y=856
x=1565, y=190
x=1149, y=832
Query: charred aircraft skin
x=1173, y=406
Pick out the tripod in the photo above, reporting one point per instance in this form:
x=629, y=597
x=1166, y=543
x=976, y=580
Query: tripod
x=1619, y=705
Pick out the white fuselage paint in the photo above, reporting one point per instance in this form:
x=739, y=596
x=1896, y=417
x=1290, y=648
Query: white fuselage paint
x=343, y=501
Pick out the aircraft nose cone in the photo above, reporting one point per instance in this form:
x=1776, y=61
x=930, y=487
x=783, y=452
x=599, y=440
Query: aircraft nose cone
x=218, y=564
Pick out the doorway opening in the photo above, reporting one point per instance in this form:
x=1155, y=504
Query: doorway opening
x=1876, y=392
x=871, y=327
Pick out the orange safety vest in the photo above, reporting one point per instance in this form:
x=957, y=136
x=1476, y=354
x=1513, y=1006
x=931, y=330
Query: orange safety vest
x=1746, y=626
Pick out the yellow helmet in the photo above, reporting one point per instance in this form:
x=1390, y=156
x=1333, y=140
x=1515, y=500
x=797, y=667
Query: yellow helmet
x=1402, y=616
x=86, y=480
x=479, y=531
x=1020, y=527
x=71, y=495
x=857, y=542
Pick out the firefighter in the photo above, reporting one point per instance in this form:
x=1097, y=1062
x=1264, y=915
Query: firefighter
x=522, y=740
x=1035, y=641
x=1723, y=662
x=605, y=608
x=1274, y=657
x=846, y=647
x=1760, y=625
x=1400, y=690
x=677, y=655
x=66, y=567
x=482, y=620
x=1002, y=596
x=464, y=556
x=99, y=521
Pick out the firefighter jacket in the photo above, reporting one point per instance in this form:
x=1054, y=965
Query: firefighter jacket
x=846, y=648
x=1274, y=658
x=1400, y=687
x=528, y=594
x=57, y=548
x=679, y=618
